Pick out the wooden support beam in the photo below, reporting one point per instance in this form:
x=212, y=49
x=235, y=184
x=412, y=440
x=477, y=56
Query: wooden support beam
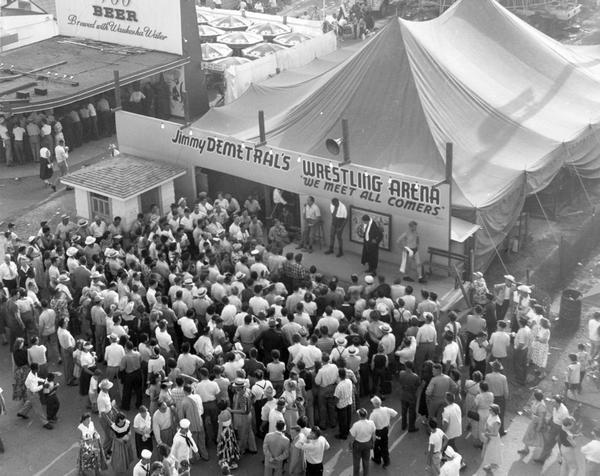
x=17, y=88
x=20, y=75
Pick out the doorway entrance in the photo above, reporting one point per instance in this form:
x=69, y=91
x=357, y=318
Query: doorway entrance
x=149, y=199
x=213, y=182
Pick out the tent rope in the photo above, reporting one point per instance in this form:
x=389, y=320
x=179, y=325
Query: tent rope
x=495, y=247
x=585, y=191
x=546, y=218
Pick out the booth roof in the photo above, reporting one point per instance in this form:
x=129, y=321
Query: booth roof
x=516, y=104
x=90, y=66
x=123, y=177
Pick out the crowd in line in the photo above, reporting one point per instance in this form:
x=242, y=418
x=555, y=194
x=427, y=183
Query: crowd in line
x=198, y=321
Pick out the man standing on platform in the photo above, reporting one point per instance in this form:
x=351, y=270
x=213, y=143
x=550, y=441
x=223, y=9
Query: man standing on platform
x=339, y=215
x=409, y=243
x=372, y=236
x=312, y=217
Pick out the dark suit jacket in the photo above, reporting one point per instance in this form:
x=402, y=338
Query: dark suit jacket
x=409, y=385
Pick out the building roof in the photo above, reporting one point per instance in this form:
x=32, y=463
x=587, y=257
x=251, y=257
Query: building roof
x=82, y=68
x=123, y=177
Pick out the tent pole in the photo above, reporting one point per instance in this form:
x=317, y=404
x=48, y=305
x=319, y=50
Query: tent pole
x=117, y=81
x=449, y=158
x=261, y=128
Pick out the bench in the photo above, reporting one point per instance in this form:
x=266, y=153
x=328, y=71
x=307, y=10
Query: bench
x=449, y=257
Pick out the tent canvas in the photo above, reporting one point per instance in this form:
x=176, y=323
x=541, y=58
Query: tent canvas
x=516, y=104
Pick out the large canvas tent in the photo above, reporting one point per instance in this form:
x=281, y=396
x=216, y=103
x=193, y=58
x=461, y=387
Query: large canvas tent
x=516, y=104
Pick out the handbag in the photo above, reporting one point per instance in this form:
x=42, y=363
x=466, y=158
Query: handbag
x=473, y=415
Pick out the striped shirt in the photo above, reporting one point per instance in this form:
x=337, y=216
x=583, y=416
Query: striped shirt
x=343, y=393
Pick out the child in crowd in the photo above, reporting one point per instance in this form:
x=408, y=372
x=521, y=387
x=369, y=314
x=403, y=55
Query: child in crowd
x=93, y=391
x=573, y=377
x=584, y=360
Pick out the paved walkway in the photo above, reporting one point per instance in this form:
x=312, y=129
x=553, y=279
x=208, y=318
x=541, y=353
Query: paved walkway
x=86, y=152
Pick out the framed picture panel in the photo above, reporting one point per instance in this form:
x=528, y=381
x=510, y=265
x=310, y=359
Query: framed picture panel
x=383, y=221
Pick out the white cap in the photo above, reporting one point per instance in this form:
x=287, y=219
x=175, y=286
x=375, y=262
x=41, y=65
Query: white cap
x=184, y=423
x=146, y=454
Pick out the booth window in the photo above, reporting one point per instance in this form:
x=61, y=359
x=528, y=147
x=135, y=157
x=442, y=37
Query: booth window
x=100, y=205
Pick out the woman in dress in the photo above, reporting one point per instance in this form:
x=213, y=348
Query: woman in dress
x=242, y=416
x=540, y=347
x=291, y=408
x=533, y=435
x=482, y=404
x=122, y=453
x=492, y=450
x=228, y=451
x=87, y=360
x=471, y=390
x=21, y=367
x=91, y=459
x=154, y=391
x=142, y=427
x=46, y=165
x=164, y=424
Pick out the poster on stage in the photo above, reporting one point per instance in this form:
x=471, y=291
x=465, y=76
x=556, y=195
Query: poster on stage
x=382, y=220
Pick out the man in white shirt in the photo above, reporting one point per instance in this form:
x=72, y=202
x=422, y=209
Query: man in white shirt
x=499, y=343
x=339, y=216
x=426, y=341
x=8, y=273
x=452, y=420
x=450, y=352
x=208, y=390
x=521, y=344
x=453, y=463
x=188, y=328
x=361, y=441
x=435, y=445
x=591, y=452
x=593, y=334
x=381, y=417
x=312, y=218
x=314, y=446
x=61, y=152
x=326, y=380
x=343, y=394
x=276, y=414
x=67, y=346
x=34, y=386
x=113, y=354
x=184, y=446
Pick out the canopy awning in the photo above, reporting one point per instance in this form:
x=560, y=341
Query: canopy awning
x=461, y=230
x=72, y=69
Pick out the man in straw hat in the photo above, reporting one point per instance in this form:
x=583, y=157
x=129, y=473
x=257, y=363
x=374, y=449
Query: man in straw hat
x=105, y=412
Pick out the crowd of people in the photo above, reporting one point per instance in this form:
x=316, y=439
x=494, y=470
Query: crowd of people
x=198, y=321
